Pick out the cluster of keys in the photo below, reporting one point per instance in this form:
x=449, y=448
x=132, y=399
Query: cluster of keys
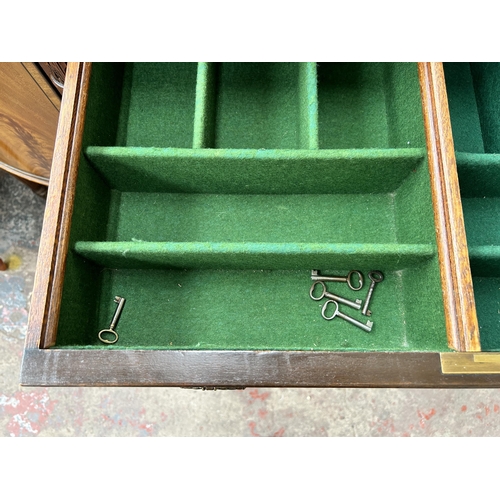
x=333, y=299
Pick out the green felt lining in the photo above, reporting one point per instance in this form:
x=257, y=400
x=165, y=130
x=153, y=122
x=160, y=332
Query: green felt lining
x=485, y=260
x=229, y=309
x=473, y=92
x=205, y=202
x=255, y=171
x=308, y=88
x=296, y=218
x=265, y=105
x=261, y=105
x=487, y=298
x=157, y=108
x=369, y=105
x=479, y=175
x=203, y=255
x=204, y=115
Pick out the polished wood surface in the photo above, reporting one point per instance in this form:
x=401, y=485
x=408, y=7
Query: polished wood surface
x=238, y=369
x=47, y=290
x=50, y=91
x=458, y=294
x=28, y=122
x=56, y=72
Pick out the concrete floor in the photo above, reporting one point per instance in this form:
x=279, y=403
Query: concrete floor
x=26, y=411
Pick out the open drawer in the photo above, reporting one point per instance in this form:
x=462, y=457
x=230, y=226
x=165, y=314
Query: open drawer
x=205, y=193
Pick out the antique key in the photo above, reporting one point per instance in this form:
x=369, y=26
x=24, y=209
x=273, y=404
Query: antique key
x=355, y=305
x=121, y=302
x=366, y=328
x=341, y=279
x=376, y=277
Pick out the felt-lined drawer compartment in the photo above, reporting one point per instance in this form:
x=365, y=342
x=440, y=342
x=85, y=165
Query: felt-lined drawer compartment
x=260, y=105
x=206, y=198
x=304, y=196
x=217, y=249
x=216, y=105
x=157, y=103
x=369, y=105
x=254, y=309
x=473, y=94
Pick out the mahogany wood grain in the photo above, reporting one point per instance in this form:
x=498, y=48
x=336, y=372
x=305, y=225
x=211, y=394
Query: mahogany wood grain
x=49, y=276
x=458, y=294
x=28, y=123
x=239, y=369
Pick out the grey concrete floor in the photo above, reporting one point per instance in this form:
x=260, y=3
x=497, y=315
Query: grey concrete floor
x=26, y=411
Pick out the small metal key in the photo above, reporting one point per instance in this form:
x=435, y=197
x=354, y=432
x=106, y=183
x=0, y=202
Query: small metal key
x=355, y=305
x=121, y=302
x=366, y=328
x=376, y=277
x=341, y=279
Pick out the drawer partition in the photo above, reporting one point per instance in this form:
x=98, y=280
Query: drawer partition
x=473, y=93
x=256, y=106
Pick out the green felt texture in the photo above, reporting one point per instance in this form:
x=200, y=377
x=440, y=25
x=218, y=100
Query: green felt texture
x=260, y=105
x=486, y=78
x=485, y=260
x=106, y=91
x=158, y=105
x=82, y=279
x=413, y=206
x=403, y=105
x=204, y=115
x=369, y=105
x=205, y=201
x=467, y=134
x=479, y=174
x=147, y=255
x=473, y=92
x=266, y=218
x=482, y=220
x=255, y=172
x=308, y=106
x=222, y=309
x=487, y=297
x=474, y=106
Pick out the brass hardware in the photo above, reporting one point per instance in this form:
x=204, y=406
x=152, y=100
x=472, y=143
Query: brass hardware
x=469, y=362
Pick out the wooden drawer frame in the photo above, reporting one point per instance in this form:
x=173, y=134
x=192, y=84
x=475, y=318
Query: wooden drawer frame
x=236, y=369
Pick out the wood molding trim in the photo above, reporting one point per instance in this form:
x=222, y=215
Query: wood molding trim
x=458, y=294
x=49, y=276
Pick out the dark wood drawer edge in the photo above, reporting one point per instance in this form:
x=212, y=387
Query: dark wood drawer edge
x=237, y=369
